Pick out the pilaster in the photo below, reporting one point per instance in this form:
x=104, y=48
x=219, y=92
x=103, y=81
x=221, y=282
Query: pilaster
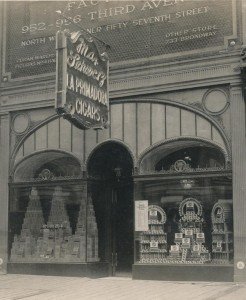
x=4, y=194
x=239, y=176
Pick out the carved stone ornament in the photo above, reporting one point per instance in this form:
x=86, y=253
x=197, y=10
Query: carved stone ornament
x=20, y=123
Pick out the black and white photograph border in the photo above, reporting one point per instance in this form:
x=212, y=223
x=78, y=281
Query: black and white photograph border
x=122, y=149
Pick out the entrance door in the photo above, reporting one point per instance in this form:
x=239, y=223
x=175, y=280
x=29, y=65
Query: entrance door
x=122, y=229
x=111, y=167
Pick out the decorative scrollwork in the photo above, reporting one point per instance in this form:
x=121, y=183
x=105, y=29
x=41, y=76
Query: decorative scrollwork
x=158, y=212
x=46, y=174
x=180, y=166
x=190, y=209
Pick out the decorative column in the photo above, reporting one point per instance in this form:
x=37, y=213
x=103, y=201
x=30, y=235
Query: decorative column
x=239, y=181
x=4, y=195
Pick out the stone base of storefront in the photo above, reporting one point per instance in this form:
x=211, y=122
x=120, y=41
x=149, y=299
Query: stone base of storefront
x=184, y=272
x=92, y=270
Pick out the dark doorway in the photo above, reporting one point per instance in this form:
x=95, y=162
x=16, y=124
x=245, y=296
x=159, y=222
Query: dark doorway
x=111, y=186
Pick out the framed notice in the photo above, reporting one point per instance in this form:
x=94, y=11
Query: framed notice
x=141, y=215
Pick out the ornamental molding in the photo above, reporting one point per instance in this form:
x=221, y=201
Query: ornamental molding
x=188, y=171
x=174, y=77
x=20, y=100
x=192, y=176
x=54, y=179
x=217, y=118
x=133, y=81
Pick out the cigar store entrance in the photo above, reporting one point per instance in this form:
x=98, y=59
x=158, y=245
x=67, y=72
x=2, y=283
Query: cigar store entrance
x=111, y=187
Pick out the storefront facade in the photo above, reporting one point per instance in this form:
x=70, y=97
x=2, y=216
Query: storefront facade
x=160, y=193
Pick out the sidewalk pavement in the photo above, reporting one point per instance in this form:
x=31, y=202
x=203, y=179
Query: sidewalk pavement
x=31, y=287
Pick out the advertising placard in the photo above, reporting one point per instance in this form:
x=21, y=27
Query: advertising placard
x=81, y=80
x=141, y=215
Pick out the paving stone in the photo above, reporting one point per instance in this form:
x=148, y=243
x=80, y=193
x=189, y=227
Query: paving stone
x=28, y=287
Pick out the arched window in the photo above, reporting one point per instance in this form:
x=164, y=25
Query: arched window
x=194, y=157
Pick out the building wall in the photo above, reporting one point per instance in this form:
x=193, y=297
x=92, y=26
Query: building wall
x=151, y=101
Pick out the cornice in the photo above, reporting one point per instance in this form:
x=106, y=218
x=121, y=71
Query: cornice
x=168, y=77
x=154, y=79
x=146, y=64
x=165, y=82
x=26, y=99
x=164, y=67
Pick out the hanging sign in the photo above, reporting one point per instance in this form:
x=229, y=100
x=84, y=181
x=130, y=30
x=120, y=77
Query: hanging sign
x=141, y=215
x=81, y=81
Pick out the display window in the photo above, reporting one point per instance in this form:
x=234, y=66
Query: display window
x=48, y=224
x=52, y=217
x=189, y=210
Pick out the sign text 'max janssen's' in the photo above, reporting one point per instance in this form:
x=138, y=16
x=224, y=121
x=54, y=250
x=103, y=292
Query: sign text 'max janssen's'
x=82, y=81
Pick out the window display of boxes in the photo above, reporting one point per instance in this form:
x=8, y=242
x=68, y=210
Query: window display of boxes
x=189, y=241
x=178, y=237
x=175, y=251
x=200, y=237
x=24, y=246
x=222, y=234
x=153, y=243
x=189, y=233
x=185, y=243
x=40, y=242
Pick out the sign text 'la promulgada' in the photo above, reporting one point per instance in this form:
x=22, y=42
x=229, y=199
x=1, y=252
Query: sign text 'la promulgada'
x=81, y=81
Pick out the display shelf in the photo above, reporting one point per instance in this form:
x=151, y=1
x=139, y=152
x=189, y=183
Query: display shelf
x=222, y=232
x=24, y=245
x=154, y=233
x=153, y=243
x=147, y=242
x=189, y=245
x=222, y=236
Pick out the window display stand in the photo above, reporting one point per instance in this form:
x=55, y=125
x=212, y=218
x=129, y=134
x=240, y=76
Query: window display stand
x=24, y=245
x=153, y=243
x=189, y=245
x=222, y=234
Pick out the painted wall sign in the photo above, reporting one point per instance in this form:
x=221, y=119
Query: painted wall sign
x=135, y=30
x=141, y=215
x=81, y=80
